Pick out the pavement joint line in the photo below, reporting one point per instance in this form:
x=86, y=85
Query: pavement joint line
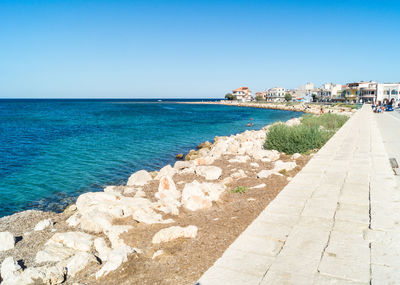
x=344, y=250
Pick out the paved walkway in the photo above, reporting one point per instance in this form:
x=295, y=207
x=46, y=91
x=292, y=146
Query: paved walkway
x=336, y=222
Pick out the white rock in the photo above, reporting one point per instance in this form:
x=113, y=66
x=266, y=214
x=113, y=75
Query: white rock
x=140, y=194
x=139, y=178
x=239, y=174
x=264, y=159
x=79, y=262
x=48, y=275
x=280, y=165
x=171, y=233
x=293, y=122
x=209, y=172
x=52, y=274
x=168, y=196
x=207, y=160
x=10, y=268
x=131, y=190
x=102, y=249
x=54, y=253
x=98, y=209
x=95, y=221
x=295, y=156
x=74, y=220
x=179, y=165
x=75, y=240
x=227, y=180
x=157, y=253
x=42, y=225
x=239, y=159
x=196, y=196
x=261, y=154
x=115, y=258
x=259, y=186
x=189, y=170
x=166, y=171
x=114, y=233
x=7, y=241
x=114, y=189
x=264, y=173
x=254, y=164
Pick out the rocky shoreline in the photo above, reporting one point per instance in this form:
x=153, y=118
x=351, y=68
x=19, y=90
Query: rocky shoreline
x=297, y=107
x=104, y=234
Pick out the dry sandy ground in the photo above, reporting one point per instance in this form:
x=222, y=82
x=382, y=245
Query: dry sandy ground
x=184, y=260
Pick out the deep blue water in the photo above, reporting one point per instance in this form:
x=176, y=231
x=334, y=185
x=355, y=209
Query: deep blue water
x=53, y=150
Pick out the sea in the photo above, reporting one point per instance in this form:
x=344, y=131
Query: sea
x=51, y=151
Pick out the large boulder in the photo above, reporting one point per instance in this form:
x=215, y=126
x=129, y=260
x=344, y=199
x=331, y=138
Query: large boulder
x=196, y=196
x=171, y=233
x=209, y=172
x=166, y=171
x=7, y=241
x=168, y=196
x=114, y=260
x=75, y=240
x=47, y=274
x=102, y=249
x=10, y=268
x=54, y=253
x=78, y=262
x=139, y=178
x=179, y=165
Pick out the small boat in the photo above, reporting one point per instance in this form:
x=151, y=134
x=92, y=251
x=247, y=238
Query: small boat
x=159, y=100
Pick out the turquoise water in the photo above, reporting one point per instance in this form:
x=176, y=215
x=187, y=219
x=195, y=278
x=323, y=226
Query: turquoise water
x=53, y=150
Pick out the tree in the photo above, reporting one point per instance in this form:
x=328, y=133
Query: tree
x=288, y=97
x=229, y=96
x=259, y=98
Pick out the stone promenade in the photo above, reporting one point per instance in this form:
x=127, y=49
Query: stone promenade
x=336, y=222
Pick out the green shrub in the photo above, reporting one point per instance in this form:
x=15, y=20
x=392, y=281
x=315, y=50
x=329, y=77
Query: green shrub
x=239, y=189
x=328, y=121
x=294, y=139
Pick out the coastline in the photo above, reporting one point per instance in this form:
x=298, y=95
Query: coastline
x=314, y=109
x=155, y=208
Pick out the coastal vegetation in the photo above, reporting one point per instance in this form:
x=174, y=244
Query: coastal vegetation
x=312, y=133
x=288, y=97
x=239, y=189
x=229, y=96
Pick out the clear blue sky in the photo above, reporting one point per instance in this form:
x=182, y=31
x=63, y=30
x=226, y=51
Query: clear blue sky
x=142, y=49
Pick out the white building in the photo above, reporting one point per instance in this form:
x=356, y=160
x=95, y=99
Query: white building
x=242, y=94
x=387, y=91
x=276, y=94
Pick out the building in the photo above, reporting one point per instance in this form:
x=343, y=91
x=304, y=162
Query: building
x=329, y=92
x=261, y=95
x=387, y=92
x=304, y=93
x=276, y=94
x=352, y=91
x=242, y=94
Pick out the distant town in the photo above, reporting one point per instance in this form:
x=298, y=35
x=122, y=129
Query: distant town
x=356, y=92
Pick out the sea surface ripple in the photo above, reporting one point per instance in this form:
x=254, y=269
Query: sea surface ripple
x=51, y=151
